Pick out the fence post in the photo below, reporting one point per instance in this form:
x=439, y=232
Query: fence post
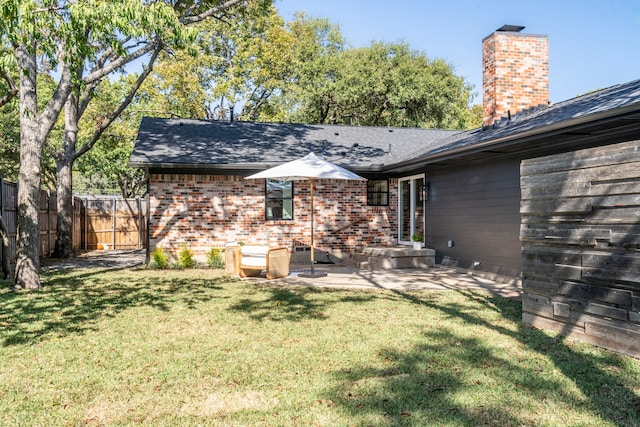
x=139, y=204
x=86, y=224
x=1, y=196
x=147, y=222
x=48, y=222
x=113, y=228
x=2, y=214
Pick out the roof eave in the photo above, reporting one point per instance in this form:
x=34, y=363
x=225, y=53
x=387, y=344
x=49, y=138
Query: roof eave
x=237, y=168
x=548, y=130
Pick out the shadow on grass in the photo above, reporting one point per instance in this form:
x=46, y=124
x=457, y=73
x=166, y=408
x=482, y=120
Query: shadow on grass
x=277, y=303
x=446, y=380
x=72, y=301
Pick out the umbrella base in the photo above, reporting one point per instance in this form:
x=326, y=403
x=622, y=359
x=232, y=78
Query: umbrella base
x=313, y=275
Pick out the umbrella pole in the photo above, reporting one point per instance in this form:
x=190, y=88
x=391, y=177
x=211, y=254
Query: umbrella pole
x=313, y=273
x=312, y=242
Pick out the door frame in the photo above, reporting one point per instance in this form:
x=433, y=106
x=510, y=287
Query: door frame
x=413, y=203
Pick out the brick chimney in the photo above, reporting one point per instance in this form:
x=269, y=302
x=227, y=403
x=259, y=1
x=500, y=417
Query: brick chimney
x=515, y=72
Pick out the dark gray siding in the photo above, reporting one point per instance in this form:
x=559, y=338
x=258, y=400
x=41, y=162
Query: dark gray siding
x=478, y=208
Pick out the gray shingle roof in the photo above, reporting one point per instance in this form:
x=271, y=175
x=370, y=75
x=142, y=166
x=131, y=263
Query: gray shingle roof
x=246, y=145
x=615, y=100
x=254, y=146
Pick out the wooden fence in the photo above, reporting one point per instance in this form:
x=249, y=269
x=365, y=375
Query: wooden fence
x=109, y=223
x=581, y=240
x=101, y=222
x=48, y=217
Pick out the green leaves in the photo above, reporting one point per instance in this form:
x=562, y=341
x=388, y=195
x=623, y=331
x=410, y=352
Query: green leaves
x=384, y=84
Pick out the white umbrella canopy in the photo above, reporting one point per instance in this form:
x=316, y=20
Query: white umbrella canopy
x=309, y=167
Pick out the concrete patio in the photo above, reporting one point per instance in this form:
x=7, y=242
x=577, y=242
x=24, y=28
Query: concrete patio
x=337, y=276
x=407, y=279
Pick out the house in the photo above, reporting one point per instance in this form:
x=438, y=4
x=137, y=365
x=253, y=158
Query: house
x=497, y=199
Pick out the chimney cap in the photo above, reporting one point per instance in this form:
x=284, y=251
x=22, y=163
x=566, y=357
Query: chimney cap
x=511, y=28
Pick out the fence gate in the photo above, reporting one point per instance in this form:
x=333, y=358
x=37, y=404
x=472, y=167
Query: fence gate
x=110, y=223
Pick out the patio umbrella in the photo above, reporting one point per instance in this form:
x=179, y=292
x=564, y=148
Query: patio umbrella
x=309, y=168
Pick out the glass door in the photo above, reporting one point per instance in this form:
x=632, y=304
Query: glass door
x=410, y=208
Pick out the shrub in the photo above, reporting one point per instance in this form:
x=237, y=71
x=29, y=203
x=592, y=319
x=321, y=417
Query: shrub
x=160, y=259
x=185, y=257
x=214, y=258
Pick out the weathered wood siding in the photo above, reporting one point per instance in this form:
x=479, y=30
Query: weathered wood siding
x=477, y=208
x=581, y=245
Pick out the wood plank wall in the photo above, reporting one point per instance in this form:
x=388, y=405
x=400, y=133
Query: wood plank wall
x=580, y=238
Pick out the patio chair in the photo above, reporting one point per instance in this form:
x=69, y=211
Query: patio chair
x=250, y=261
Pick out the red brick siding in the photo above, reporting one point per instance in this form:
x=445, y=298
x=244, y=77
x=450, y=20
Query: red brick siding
x=515, y=74
x=206, y=211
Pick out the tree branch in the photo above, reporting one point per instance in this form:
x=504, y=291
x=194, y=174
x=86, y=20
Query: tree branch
x=86, y=96
x=13, y=90
x=54, y=107
x=256, y=106
x=102, y=126
x=187, y=20
x=99, y=73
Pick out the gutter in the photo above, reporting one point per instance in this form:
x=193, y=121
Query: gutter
x=241, y=168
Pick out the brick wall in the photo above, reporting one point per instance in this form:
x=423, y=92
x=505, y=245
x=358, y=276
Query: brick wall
x=515, y=73
x=205, y=211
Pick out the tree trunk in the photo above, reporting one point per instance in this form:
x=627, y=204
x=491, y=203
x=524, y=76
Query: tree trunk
x=31, y=145
x=64, y=183
x=34, y=128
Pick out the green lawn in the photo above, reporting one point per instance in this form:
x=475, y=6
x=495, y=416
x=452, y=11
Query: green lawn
x=181, y=348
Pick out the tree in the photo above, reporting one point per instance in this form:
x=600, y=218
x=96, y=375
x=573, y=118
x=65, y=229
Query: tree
x=309, y=92
x=186, y=14
x=67, y=38
x=105, y=166
x=175, y=88
x=385, y=84
x=241, y=61
x=10, y=139
x=249, y=63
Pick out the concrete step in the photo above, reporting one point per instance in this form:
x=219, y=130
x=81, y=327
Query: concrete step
x=383, y=258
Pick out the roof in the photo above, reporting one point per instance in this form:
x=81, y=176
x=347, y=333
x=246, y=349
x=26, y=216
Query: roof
x=187, y=143
x=244, y=146
x=581, y=116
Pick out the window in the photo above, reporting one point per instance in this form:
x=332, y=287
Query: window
x=378, y=192
x=279, y=199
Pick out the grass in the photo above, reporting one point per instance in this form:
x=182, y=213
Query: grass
x=193, y=348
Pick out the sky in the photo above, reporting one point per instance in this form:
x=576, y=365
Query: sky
x=593, y=44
